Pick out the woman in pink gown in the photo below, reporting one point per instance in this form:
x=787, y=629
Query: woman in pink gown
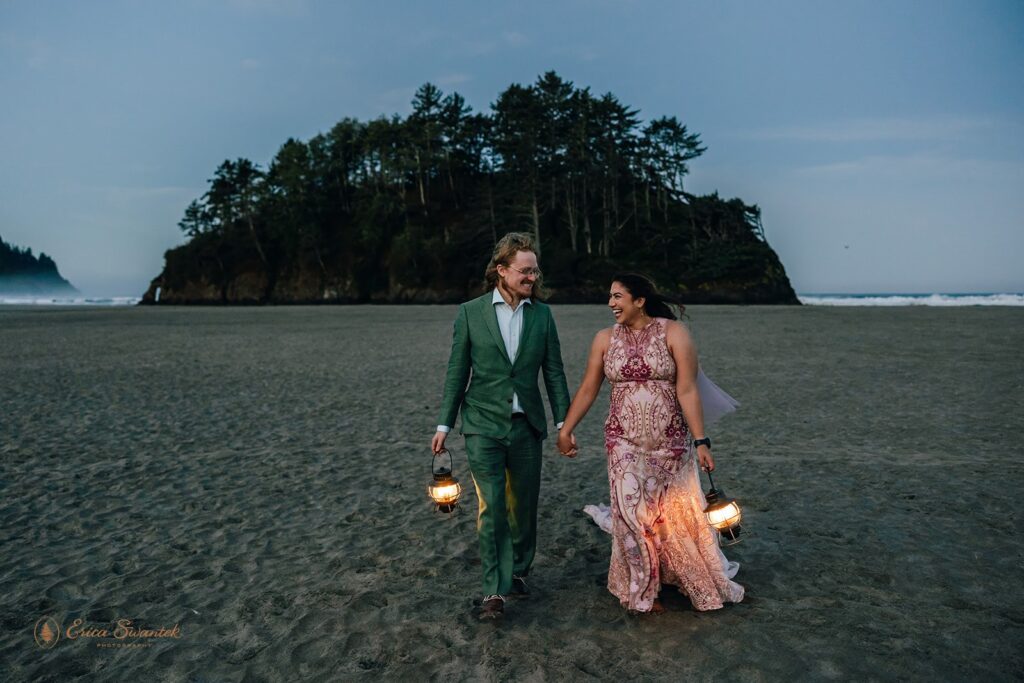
x=660, y=535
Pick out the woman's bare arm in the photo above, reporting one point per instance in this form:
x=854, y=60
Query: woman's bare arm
x=593, y=377
x=684, y=352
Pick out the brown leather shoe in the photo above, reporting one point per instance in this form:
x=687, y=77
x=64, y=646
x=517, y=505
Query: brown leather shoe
x=492, y=607
x=519, y=587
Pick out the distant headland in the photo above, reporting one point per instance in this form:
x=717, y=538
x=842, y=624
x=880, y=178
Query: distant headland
x=406, y=210
x=24, y=275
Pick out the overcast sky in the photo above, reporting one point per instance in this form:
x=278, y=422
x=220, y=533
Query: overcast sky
x=884, y=141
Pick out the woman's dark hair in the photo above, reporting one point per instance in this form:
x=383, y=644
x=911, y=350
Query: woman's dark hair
x=656, y=305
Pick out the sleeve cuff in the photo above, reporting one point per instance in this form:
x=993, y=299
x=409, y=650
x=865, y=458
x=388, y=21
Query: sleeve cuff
x=559, y=425
x=444, y=428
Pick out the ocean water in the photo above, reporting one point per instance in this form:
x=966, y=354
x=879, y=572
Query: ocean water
x=985, y=299
x=67, y=301
x=990, y=299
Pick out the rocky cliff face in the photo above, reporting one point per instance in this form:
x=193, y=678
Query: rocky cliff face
x=302, y=286
x=190, y=279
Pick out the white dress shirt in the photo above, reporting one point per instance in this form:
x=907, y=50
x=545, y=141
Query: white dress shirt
x=510, y=324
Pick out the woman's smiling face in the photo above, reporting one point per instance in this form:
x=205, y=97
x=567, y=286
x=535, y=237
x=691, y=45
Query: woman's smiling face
x=625, y=308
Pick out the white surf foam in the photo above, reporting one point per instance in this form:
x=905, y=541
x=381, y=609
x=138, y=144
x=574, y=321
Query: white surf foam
x=61, y=301
x=912, y=299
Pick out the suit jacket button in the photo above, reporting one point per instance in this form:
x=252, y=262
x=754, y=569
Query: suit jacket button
x=510, y=400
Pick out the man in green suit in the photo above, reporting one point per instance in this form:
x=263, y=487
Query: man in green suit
x=502, y=340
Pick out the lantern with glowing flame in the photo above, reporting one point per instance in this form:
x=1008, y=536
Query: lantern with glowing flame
x=723, y=513
x=443, y=488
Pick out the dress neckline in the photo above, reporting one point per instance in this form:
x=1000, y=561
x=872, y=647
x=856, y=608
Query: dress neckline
x=643, y=329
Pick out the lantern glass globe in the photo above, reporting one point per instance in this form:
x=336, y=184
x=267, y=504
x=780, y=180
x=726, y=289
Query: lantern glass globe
x=445, y=493
x=724, y=516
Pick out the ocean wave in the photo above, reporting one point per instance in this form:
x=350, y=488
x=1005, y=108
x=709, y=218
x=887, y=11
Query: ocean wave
x=62, y=301
x=912, y=299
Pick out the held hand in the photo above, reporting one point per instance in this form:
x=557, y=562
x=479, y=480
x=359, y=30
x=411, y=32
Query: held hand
x=707, y=463
x=567, y=444
x=437, y=443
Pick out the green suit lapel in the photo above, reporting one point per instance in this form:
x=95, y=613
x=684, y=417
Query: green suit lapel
x=491, y=321
x=528, y=315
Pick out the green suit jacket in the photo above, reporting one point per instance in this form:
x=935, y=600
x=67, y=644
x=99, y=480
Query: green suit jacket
x=479, y=358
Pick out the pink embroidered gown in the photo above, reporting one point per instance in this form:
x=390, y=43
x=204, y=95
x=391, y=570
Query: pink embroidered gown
x=659, y=532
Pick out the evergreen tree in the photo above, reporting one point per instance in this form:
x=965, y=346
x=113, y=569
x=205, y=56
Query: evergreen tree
x=416, y=203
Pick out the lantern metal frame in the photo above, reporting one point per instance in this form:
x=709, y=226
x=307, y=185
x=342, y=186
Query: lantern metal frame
x=717, y=500
x=443, y=476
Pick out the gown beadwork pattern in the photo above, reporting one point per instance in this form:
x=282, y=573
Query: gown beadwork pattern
x=659, y=532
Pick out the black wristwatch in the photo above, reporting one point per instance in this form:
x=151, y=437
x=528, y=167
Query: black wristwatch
x=702, y=442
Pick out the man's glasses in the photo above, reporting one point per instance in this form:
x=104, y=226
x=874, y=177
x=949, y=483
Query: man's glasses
x=529, y=272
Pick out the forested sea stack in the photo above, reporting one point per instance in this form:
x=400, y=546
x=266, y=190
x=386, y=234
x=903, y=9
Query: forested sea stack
x=22, y=274
x=407, y=210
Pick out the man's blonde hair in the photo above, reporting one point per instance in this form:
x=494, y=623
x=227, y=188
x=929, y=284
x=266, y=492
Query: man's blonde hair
x=505, y=252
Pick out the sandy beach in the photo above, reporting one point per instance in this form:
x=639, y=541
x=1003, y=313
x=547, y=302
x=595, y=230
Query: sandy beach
x=256, y=477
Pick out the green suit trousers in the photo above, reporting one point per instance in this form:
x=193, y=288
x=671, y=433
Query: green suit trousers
x=507, y=477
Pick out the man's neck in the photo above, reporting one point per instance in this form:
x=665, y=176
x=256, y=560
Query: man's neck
x=510, y=298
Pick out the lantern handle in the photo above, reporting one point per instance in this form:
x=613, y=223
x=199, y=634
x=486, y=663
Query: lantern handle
x=434, y=459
